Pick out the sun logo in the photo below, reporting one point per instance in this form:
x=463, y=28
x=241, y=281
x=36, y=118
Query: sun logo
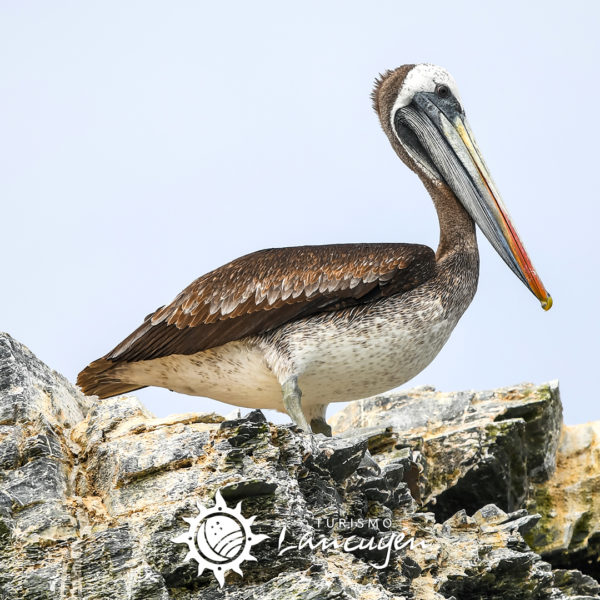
x=219, y=538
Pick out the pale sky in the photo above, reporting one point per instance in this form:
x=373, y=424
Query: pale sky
x=145, y=143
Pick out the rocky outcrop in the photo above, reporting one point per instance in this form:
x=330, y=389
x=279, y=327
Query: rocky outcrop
x=473, y=448
x=506, y=446
x=92, y=494
x=569, y=502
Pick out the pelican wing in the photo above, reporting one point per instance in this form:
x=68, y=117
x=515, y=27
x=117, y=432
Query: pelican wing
x=263, y=290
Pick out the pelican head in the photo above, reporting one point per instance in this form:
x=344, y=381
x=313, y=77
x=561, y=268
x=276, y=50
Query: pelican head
x=422, y=114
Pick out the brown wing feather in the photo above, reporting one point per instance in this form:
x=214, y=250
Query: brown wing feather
x=261, y=291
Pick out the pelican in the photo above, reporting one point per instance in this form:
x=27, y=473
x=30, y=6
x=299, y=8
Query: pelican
x=294, y=329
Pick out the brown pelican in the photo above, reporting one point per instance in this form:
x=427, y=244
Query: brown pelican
x=294, y=329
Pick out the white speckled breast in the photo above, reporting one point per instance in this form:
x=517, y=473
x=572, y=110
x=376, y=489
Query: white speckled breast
x=363, y=351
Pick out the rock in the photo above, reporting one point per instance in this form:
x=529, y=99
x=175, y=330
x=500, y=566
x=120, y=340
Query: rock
x=474, y=448
x=341, y=457
x=569, y=502
x=93, y=493
x=575, y=583
x=508, y=447
x=38, y=408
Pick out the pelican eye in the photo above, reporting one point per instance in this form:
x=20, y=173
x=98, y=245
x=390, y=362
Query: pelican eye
x=443, y=91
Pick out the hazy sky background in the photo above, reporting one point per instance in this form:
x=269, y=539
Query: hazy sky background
x=143, y=144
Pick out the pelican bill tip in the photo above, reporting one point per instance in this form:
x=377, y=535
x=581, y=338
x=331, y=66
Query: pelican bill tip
x=547, y=302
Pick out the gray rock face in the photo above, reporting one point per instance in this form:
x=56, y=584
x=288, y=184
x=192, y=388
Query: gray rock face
x=507, y=446
x=92, y=494
x=474, y=448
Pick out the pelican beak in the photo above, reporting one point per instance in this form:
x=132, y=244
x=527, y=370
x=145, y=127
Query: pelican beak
x=447, y=140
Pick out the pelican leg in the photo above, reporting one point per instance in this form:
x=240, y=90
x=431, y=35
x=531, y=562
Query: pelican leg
x=292, y=401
